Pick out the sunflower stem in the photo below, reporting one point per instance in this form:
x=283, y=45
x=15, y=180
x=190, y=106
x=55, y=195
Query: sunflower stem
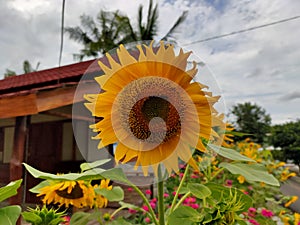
x=161, y=206
x=146, y=202
x=179, y=188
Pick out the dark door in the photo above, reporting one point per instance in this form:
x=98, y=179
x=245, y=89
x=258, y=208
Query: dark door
x=44, y=152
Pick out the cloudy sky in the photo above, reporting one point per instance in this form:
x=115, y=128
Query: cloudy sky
x=261, y=66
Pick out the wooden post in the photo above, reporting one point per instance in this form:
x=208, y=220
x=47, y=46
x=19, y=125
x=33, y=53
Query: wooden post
x=16, y=169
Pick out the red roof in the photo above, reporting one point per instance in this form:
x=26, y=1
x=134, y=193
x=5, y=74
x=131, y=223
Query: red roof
x=21, y=82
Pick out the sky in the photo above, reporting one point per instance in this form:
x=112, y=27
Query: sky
x=261, y=66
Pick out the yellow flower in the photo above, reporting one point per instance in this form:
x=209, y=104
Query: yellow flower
x=151, y=108
x=285, y=220
x=75, y=193
x=227, y=136
x=241, y=179
x=262, y=184
x=100, y=200
x=297, y=218
x=286, y=175
x=280, y=164
x=291, y=201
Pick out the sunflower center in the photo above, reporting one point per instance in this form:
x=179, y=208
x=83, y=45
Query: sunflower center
x=74, y=194
x=150, y=109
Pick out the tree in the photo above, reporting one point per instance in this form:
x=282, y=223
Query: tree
x=287, y=137
x=113, y=28
x=251, y=119
x=27, y=68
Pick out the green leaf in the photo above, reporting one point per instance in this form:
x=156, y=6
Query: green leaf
x=80, y=218
x=114, y=195
x=9, y=214
x=252, y=172
x=230, y=153
x=199, y=190
x=9, y=190
x=185, y=215
x=219, y=193
x=31, y=217
x=116, y=174
x=36, y=189
x=119, y=221
x=94, y=174
x=129, y=206
x=88, y=166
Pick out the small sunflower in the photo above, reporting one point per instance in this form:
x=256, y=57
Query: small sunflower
x=76, y=193
x=152, y=108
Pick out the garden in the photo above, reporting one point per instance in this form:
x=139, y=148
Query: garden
x=166, y=124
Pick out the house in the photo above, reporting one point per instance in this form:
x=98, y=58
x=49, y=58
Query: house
x=36, y=115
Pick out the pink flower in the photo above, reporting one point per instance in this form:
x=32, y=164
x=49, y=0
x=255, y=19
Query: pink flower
x=229, y=183
x=148, y=192
x=154, y=200
x=254, y=222
x=181, y=166
x=147, y=220
x=153, y=205
x=130, y=189
x=144, y=207
x=266, y=213
x=174, y=193
x=67, y=220
x=132, y=211
x=166, y=195
x=189, y=200
x=194, y=176
x=194, y=205
x=250, y=188
x=251, y=211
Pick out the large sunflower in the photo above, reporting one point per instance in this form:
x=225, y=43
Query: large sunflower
x=152, y=108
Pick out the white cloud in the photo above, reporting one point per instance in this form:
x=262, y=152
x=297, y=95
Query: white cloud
x=260, y=65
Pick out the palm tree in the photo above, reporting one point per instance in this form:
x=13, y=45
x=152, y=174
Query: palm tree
x=96, y=41
x=27, y=68
x=115, y=29
x=149, y=30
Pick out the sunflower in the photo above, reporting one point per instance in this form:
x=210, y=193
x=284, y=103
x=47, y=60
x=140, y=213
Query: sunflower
x=152, y=108
x=100, y=200
x=76, y=193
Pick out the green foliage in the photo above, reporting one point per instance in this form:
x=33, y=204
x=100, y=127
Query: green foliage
x=9, y=190
x=9, y=214
x=287, y=137
x=251, y=118
x=43, y=216
x=223, y=206
x=27, y=68
x=230, y=153
x=114, y=195
x=252, y=172
x=185, y=215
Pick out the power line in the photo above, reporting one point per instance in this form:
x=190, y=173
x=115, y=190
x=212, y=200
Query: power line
x=242, y=31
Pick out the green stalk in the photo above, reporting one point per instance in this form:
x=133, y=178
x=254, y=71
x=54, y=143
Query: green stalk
x=179, y=187
x=118, y=210
x=161, y=206
x=146, y=202
x=216, y=174
x=182, y=199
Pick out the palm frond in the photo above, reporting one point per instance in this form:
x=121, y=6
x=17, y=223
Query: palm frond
x=176, y=25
